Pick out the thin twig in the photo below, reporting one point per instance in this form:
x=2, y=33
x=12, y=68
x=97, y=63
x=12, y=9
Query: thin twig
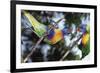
x=63, y=57
x=68, y=51
x=38, y=42
x=29, y=55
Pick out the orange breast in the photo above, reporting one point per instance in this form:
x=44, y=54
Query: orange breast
x=85, y=39
x=57, y=36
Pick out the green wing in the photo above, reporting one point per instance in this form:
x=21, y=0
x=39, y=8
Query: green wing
x=39, y=29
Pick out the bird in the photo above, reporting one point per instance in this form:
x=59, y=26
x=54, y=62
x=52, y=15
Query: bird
x=39, y=28
x=85, y=29
x=85, y=38
x=54, y=35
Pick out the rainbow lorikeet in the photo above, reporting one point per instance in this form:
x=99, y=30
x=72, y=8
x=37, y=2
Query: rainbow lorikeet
x=86, y=36
x=85, y=29
x=54, y=35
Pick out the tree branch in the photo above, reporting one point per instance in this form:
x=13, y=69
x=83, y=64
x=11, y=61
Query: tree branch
x=38, y=42
x=68, y=51
x=29, y=55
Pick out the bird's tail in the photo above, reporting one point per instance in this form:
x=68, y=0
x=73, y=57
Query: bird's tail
x=39, y=28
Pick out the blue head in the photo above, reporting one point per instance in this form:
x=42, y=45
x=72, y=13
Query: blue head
x=51, y=34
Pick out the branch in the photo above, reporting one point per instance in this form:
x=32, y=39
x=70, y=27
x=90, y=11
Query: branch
x=68, y=51
x=38, y=42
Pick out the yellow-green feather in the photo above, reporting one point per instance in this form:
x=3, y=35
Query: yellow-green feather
x=39, y=28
